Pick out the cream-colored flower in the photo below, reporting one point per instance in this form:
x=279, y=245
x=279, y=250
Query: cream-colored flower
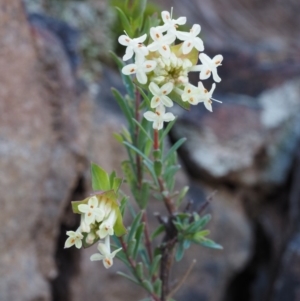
x=75, y=238
x=133, y=46
x=190, y=39
x=160, y=94
x=159, y=117
x=105, y=254
x=91, y=211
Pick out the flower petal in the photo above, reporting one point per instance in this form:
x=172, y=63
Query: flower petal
x=155, y=102
x=141, y=39
x=182, y=35
x=154, y=88
x=128, y=54
x=165, y=15
x=141, y=77
x=129, y=69
x=187, y=46
x=169, y=117
x=180, y=20
x=205, y=73
x=78, y=243
x=69, y=242
x=208, y=105
x=103, y=249
x=167, y=88
x=83, y=208
x=206, y=60
x=96, y=257
x=198, y=44
x=195, y=29
x=215, y=76
x=124, y=40
x=218, y=59
x=166, y=101
x=150, y=116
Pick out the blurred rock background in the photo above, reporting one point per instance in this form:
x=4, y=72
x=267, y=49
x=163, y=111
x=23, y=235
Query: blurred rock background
x=57, y=114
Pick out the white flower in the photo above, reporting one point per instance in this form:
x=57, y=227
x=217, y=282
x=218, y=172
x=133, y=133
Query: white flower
x=206, y=96
x=107, y=226
x=160, y=42
x=84, y=227
x=91, y=211
x=140, y=68
x=191, y=94
x=133, y=46
x=208, y=66
x=190, y=39
x=105, y=255
x=75, y=238
x=159, y=117
x=170, y=24
x=90, y=238
x=159, y=94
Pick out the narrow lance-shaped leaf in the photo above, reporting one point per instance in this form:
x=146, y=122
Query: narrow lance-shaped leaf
x=125, y=22
x=134, y=226
x=124, y=107
x=127, y=80
x=174, y=148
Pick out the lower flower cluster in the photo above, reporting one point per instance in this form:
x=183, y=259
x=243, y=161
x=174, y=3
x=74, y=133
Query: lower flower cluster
x=99, y=215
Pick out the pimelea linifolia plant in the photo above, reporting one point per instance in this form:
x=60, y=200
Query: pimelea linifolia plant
x=160, y=56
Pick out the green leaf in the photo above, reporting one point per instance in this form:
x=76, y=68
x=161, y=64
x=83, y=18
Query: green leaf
x=142, y=129
x=118, y=137
x=177, y=98
x=155, y=265
x=182, y=195
x=130, y=247
x=128, y=277
x=137, y=151
x=179, y=251
x=186, y=244
x=145, y=97
x=138, y=237
x=127, y=80
x=100, y=178
x=209, y=244
x=157, y=167
x=117, y=183
x=134, y=226
x=121, y=256
x=139, y=8
x=157, y=287
x=160, y=229
x=151, y=170
x=167, y=130
x=124, y=21
x=174, y=148
x=124, y=107
x=119, y=228
x=148, y=148
x=198, y=225
x=140, y=270
x=148, y=285
x=111, y=178
x=144, y=195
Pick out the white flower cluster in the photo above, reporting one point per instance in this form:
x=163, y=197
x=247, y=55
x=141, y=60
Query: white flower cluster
x=166, y=66
x=97, y=222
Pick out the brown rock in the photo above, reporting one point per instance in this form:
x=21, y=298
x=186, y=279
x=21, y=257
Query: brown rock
x=40, y=152
x=241, y=143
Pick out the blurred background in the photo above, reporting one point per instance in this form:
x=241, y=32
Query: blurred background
x=57, y=114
